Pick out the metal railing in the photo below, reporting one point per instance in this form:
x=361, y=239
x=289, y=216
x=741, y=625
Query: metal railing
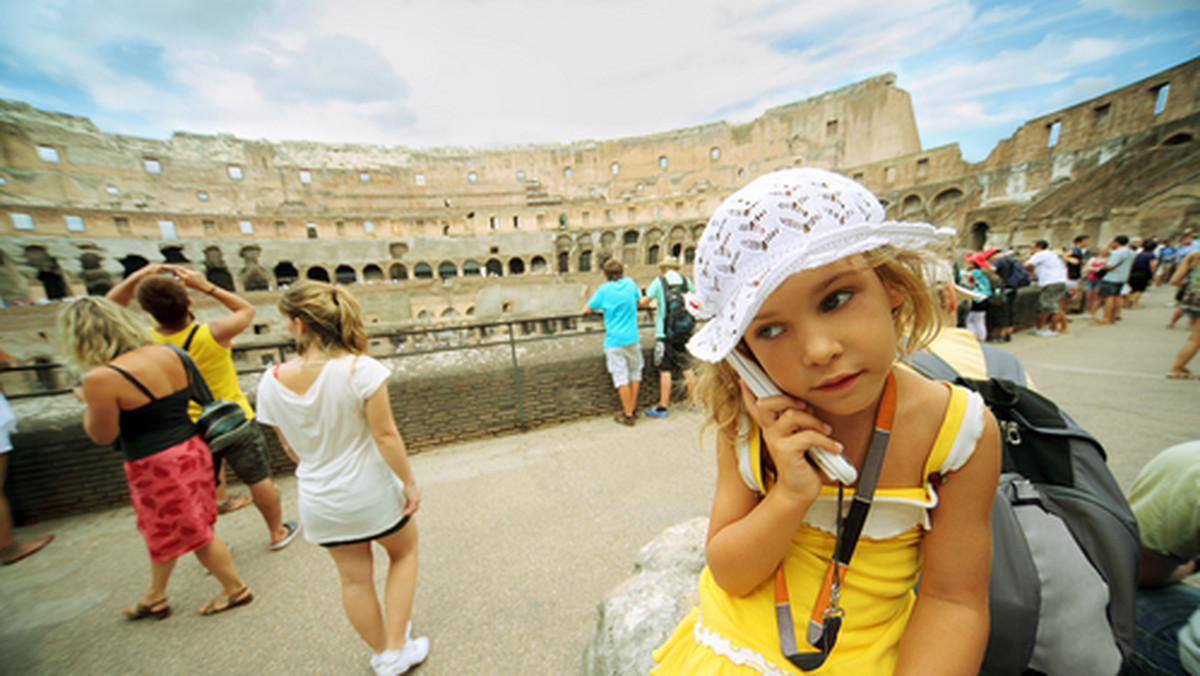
x=52, y=379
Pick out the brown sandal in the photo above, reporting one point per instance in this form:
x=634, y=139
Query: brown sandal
x=153, y=610
x=239, y=598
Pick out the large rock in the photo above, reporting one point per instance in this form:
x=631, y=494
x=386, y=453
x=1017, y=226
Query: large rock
x=640, y=614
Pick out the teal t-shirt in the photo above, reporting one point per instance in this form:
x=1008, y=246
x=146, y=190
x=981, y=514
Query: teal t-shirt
x=659, y=294
x=618, y=301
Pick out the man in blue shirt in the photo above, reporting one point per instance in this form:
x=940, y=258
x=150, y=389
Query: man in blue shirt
x=617, y=300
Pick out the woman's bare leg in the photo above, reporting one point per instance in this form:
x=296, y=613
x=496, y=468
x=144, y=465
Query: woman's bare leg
x=216, y=558
x=401, y=585
x=356, y=570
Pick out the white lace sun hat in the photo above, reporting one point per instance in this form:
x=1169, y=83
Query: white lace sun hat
x=774, y=227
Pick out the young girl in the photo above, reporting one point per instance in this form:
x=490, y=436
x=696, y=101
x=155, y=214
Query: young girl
x=330, y=409
x=800, y=272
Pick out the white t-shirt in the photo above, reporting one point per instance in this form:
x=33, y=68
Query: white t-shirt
x=346, y=490
x=1048, y=267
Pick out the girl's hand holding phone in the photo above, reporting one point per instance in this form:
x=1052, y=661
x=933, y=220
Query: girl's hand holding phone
x=789, y=431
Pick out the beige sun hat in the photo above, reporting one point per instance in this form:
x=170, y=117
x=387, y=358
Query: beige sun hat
x=774, y=227
x=669, y=263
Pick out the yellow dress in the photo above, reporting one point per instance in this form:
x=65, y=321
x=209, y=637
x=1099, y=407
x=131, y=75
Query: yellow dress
x=738, y=635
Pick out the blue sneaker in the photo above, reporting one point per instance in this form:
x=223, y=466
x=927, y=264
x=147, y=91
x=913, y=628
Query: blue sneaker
x=657, y=412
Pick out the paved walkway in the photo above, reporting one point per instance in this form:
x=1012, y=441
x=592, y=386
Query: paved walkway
x=521, y=537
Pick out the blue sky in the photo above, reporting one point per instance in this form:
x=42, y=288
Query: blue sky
x=504, y=72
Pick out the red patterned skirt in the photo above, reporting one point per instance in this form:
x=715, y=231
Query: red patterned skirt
x=174, y=498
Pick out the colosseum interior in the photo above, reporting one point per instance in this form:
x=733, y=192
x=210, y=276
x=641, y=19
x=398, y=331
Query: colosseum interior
x=432, y=236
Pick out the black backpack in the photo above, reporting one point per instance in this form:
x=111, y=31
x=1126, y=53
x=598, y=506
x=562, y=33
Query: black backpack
x=1017, y=275
x=678, y=323
x=1066, y=555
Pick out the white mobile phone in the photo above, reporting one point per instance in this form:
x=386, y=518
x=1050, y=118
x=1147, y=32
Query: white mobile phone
x=836, y=467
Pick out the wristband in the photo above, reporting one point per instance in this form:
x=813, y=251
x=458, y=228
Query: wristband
x=211, y=289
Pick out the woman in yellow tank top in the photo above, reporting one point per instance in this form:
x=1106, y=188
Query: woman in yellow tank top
x=799, y=272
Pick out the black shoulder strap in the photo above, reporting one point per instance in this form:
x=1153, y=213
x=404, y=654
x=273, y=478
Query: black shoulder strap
x=187, y=344
x=1003, y=364
x=199, y=388
x=136, y=383
x=930, y=365
x=1000, y=364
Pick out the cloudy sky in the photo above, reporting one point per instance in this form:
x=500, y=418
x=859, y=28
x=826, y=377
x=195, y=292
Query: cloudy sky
x=502, y=72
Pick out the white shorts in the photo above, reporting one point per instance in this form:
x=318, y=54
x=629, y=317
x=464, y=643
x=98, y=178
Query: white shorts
x=625, y=363
x=8, y=425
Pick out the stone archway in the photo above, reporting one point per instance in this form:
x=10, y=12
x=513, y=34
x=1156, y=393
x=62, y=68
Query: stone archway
x=979, y=233
x=285, y=274
x=54, y=283
x=345, y=275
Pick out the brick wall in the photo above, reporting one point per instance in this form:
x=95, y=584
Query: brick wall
x=438, y=398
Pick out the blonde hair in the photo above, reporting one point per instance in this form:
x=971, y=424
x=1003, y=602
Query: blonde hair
x=94, y=330
x=332, y=315
x=916, y=320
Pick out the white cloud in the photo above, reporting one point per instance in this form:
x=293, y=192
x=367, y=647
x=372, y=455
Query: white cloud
x=1141, y=8
x=484, y=72
x=1078, y=90
x=1051, y=60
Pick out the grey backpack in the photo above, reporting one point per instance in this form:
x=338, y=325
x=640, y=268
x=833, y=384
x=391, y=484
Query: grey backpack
x=1066, y=556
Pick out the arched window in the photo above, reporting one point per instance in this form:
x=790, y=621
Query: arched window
x=537, y=264
x=516, y=266
x=979, y=233
x=564, y=261
x=494, y=268
x=318, y=273
x=285, y=273
x=372, y=273
x=398, y=271
x=471, y=269
x=423, y=271
x=631, y=237
x=652, y=255
x=346, y=275
x=911, y=206
x=447, y=269
x=585, y=261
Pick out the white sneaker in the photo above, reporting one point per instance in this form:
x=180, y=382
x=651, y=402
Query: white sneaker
x=1047, y=333
x=396, y=662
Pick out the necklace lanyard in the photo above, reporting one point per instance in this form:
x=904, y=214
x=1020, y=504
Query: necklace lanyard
x=827, y=614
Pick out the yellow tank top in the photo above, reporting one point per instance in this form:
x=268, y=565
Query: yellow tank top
x=736, y=636
x=215, y=363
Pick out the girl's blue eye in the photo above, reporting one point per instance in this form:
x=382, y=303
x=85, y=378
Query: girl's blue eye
x=835, y=300
x=769, y=331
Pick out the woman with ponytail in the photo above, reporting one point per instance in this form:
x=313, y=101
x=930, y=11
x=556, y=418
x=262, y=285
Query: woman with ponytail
x=330, y=408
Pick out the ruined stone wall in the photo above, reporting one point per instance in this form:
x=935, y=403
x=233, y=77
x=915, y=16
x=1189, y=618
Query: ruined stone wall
x=1120, y=163
x=79, y=207
x=243, y=207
